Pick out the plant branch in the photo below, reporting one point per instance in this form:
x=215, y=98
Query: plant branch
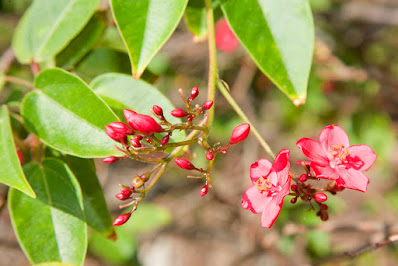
x=19, y=81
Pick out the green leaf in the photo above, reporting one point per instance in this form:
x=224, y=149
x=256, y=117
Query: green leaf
x=2, y=81
x=82, y=44
x=95, y=209
x=279, y=36
x=318, y=243
x=66, y=115
x=51, y=227
x=121, y=91
x=145, y=26
x=11, y=171
x=195, y=18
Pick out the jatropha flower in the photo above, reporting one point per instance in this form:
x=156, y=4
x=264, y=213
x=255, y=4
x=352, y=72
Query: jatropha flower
x=271, y=183
x=333, y=158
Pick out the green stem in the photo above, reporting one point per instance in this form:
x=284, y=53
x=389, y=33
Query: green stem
x=238, y=110
x=211, y=85
x=19, y=81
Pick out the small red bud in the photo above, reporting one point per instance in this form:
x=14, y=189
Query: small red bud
x=139, y=137
x=303, y=178
x=320, y=197
x=194, y=92
x=324, y=207
x=20, y=156
x=112, y=133
x=293, y=200
x=120, y=196
x=120, y=127
x=178, y=113
x=135, y=143
x=141, y=123
x=240, y=133
x=190, y=118
x=207, y=105
x=137, y=182
x=294, y=187
x=324, y=216
x=210, y=155
x=148, y=140
x=126, y=192
x=111, y=159
x=157, y=110
x=121, y=219
x=165, y=140
x=184, y=164
x=204, y=190
x=224, y=151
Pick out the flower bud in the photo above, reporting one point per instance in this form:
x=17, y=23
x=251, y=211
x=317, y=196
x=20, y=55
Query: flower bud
x=137, y=182
x=239, y=133
x=126, y=192
x=207, y=105
x=121, y=219
x=157, y=110
x=135, y=143
x=20, y=156
x=320, y=197
x=324, y=216
x=224, y=151
x=178, y=113
x=120, y=196
x=294, y=187
x=184, y=164
x=203, y=190
x=138, y=137
x=303, y=178
x=324, y=207
x=194, y=92
x=165, y=140
x=120, y=127
x=190, y=118
x=112, y=133
x=210, y=155
x=293, y=200
x=111, y=159
x=141, y=123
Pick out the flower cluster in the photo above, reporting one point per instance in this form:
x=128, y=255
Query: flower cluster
x=331, y=158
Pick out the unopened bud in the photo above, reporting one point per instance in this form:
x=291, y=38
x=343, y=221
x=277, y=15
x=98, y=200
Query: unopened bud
x=141, y=123
x=121, y=219
x=324, y=207
x=210, y=155
x=157, y=110
x=320, y=197
x=126, y=192
x=20, y=156
x=120, y=196
x=178, y=113
x=293, y=200
x=190, y=118
x=184, y=164
x=240, y=133
x=138, y=137
x=324, y=216
x=165, y=140
x=294, y=187
x=112, y=133
x=135, y=143
x=110, y=159
x=194, y=92
x=207, y=105
x=120, y=127
x=303, y=178
x=137, y=182
x=204, y=190
x=224, y=151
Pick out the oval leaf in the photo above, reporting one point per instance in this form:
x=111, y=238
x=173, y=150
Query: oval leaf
x=51, y=227
x=279, y=36
x=145, y=26
x=48, y=26
x=11, y=171
x=121, y=91
x=195, y=18
x=66, y=115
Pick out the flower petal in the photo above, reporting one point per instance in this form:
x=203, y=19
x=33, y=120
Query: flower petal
x=361, y=157
x=324, y=172
x=254, y=201
x=260, y=168
x=313, y=150
x=271, y=212
x=353, y=179
x=331, y=136
x=281, y=167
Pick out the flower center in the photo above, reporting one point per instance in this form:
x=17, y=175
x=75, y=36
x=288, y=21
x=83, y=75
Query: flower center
x=339, y=154
x=264, y=185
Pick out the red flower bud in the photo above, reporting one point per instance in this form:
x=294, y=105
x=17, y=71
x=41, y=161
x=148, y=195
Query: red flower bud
x=112, y=133
x=207, y=105
x=320, y=197
x=224, y=151
x=203, y=190
x=239, y=133
x=210, y=155
x=135, y=143
x=294, y=187
x=126, y=192
x=141, y=123
x=165, y=140
x=178, y=113
x=120, y=127
x=111, y=159
x=324, y=207
x=20, y=156
x=121, y=219
x=194, y=92
x=190, y=118
x=293, y=200
x=138, y=137
x=120, y=196
x=184, y=164
x=303, y=178
x=157, y=110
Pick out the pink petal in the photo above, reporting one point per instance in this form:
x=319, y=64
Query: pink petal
x=254, y=201
x=353, y=179
x=282, y=167
x=331, y=136
x=313, y=150
x=270, y=213
x=361, y=157
x=260, y=168
x=325, y=172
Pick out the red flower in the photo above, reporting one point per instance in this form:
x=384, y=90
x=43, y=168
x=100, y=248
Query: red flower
x=225, y=39
x=271, y=183
x=333, y=158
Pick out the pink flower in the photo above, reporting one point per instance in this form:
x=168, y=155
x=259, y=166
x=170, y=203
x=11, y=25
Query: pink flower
x=271, y=183
x=333, y=158
x=225, y=39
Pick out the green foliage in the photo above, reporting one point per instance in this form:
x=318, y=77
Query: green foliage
x=318, y=243
x=51, y=227
x=195, y=19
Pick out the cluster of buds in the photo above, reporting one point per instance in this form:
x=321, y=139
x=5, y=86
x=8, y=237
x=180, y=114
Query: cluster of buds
x=145, y=139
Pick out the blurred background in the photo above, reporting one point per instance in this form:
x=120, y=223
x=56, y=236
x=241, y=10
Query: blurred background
x=353, y=83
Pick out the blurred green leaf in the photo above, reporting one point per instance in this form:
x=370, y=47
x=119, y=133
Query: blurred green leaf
x=195, y=19
x=145, y=26
x=48, y=26
x=50, y=227
x=286, y=245
x=307, y=217
x=111, y=39
x=67, y=115
x=283, y=51
x=318, y=243
x=11, y=172
x=2, y=81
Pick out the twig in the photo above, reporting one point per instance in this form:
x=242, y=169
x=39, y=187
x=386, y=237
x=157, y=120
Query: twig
x=6, y=60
